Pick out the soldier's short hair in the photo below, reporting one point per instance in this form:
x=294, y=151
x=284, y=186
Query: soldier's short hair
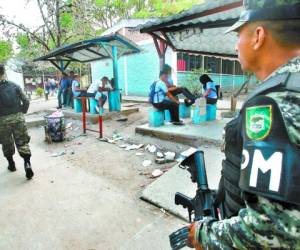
x=286, y=32
x=2, y=69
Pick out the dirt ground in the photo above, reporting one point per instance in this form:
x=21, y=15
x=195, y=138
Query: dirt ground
x=87, y=197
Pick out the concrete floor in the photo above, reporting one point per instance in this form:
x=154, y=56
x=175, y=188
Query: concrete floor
x=75, y=202
x=89, y=197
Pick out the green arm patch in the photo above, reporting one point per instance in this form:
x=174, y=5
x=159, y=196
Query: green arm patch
x=258, y=122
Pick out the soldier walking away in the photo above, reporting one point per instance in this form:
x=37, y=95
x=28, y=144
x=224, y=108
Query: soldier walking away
x=262, y=145
x=13, y=106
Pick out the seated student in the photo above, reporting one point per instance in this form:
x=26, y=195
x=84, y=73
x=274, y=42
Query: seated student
x=210, y=89
x=76, y=86
x=161, y=102
x=101, y=96
x=174, y=90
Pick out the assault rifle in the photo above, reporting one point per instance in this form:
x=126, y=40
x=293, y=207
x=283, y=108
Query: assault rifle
x=202, y=205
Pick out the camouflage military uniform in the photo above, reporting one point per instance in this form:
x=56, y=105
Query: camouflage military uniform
x=13, y=131
x=264, y=224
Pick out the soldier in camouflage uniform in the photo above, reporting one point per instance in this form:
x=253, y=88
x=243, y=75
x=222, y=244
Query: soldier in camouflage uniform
x=13, y=103
x=269, y=135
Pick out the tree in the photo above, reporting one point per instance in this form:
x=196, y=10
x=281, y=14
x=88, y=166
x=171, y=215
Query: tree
x=6, y=51
x=63, y=22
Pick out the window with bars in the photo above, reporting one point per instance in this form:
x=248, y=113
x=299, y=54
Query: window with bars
x=189, y=62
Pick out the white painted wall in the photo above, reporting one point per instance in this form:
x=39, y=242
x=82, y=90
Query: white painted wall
x=13, y=73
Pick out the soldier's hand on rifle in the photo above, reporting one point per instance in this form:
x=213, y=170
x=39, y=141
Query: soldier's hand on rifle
x=192, y=240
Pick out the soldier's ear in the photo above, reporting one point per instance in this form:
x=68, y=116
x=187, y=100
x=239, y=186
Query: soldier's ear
x=259, y=37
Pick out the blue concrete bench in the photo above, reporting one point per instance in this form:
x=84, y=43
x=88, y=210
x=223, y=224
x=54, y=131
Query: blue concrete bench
x=198, y=118
x=167, y=116
x=93, y=104
x=211, y=112
x=184, y=111
x=156, y=117
x=209, y=115
x=77, y=104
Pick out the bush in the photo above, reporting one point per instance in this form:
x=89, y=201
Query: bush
x=39, y=92
x=192, y=83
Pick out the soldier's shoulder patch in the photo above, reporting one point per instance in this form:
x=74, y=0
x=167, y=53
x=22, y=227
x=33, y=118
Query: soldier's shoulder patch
x=258, y=122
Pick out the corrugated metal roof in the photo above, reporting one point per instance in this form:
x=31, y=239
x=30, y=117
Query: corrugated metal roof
x=91, y=50
x=200, y=29
x=184, y=18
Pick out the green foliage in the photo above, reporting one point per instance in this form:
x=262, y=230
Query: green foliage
x=158, y=8
x=6, y=51
x=66, y=20
x=192, y=82
x=39, y=92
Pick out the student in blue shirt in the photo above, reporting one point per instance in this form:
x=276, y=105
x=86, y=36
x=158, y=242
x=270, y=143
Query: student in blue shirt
x=62, y=91
x=161, y=102
x=175, y=91
x=211, y=91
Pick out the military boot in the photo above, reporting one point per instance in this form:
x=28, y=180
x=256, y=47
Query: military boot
x=28, y=170
x=11, y=164
x=27, y=166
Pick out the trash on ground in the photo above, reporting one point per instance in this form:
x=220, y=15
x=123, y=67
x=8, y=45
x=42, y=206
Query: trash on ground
x=151, y=148
x=69, y=125
x=139, y=154
x=170, y=156
x=124, y=146
x=133, y=147
x=123, y=119
x=160, y=155
x=104, y=139
x=156, y=173
x=188, y=152
x=147, y=163
x=160, y=161
x=58, y=154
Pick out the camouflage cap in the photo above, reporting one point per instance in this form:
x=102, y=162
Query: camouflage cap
x=260, y=10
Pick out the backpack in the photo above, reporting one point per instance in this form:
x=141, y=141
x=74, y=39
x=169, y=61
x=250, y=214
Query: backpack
x=152, y=92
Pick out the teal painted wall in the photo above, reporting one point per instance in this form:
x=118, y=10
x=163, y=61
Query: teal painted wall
x=143, y=69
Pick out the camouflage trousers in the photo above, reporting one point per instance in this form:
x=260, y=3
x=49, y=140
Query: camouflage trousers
x=13, y=132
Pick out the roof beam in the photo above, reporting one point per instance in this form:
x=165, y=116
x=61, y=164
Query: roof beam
x=193, y=16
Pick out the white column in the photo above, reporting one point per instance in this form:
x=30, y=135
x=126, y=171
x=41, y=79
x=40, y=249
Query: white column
x=174, y=66
x=221, y=73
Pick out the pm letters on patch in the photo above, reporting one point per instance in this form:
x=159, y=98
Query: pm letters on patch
x=273, y=164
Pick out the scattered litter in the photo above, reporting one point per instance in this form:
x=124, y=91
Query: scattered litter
x=160, y=160
x=156, y=173
x=69, y=125
x=160, y=155
x=104, y=139
x=170, y=156
x=72, y=152
x=111, y=141
x=75, y=129
x=124, y=119
x=132, y=147
x=139, y=154
x=188, y=152
x=123, y=146
x=163, y=211
x=147, y=163
x=151, y=148
x=58, y=154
